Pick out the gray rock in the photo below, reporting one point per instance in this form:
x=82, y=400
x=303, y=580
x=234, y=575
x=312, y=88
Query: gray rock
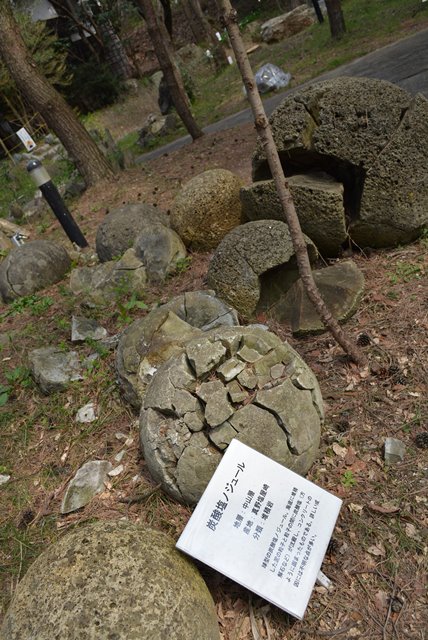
x=394, y=450
x=371, y=136
x=160, y=249
x=287, y=24
x=31, y=267
x=53, y=369
x=318, y=199
x=255, y=264
x=207, y=208
x=282, y=419
x=112, y=279
x=156, y=126
x=89, y=480
x=204, y=356
x=119, y=229
x=112, y=580
x=230, y=369
x=341, y=286
x=87, y=413
x=86, y=328
x=149, y=341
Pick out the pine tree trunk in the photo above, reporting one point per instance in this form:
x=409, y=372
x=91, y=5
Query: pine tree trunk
x=163, y=48
x=115, y=54
x=335, y=18
x=45, y=100
x=265, y=133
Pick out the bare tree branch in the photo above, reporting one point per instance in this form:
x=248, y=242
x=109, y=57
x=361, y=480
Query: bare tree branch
x=229, y=17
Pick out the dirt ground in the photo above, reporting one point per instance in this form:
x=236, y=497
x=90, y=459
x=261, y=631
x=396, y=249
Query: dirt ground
x=377, y=559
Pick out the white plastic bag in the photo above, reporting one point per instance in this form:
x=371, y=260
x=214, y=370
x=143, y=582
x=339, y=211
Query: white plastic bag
x=271, y=78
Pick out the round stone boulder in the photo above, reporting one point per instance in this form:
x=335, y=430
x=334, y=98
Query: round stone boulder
x=160, y=249
x=255, y=264
x=240, y=382
x=206, y=208
x=31, y=267
x=119, y=229
x=115, y=581
x=371, y=136
x=151, y=340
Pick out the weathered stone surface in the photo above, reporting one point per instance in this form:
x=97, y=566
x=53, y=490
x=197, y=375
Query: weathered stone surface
x=112, y=580
x=5, y=244
x=115, y=278
x=371, y=136
x=88, y=481
x=160, y=249
x=52, y=368
x=119, y=229
x=230, y=369
x=287, y=24
x=341, y=286
x=31, y=267
x=86, y=328
x=254, y=264
x=149, y=341
x=204, y=356
x=282, y=419
x=319, y=205
x=207, y=208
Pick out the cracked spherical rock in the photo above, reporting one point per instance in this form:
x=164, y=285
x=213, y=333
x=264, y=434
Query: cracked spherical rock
x=271, y=402
x=160, y=249
x=206, y=208
x=31, y=267
x=370, y=135
x=254, y=264
x=119, y=229
x=111, y=581
x=151, y=340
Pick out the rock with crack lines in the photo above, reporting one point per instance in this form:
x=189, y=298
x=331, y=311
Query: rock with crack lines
x=240, y=382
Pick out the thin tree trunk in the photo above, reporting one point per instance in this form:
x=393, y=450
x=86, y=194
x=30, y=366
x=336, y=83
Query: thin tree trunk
x=335, y=18
x=59, y=117
x=163, y=48
x=264, y=131
x=218, y=50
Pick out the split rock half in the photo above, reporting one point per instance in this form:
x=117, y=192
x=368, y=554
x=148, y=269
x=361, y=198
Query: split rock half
x=240, y=382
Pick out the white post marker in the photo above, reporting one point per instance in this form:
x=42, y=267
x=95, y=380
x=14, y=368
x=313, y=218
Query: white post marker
x=26, y=139
x=263, y=526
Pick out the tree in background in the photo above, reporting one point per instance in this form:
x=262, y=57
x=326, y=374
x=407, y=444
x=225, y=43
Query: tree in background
x=45, y=100
x=335, y=18
x=203, y=32
x=165, y=54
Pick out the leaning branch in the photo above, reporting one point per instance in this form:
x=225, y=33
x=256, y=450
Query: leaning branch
x=229, y=17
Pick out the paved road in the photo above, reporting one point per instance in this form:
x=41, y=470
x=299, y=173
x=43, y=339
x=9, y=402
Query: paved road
x=404, y=62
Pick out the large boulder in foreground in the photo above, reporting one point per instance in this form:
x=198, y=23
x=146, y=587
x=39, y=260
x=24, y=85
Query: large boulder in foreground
x=119, y=229
x=111, y=581
x=207, y=208
x=31, y=267
x=255, y=264
x=151, y=340
x=240, y=382
x=368, y=134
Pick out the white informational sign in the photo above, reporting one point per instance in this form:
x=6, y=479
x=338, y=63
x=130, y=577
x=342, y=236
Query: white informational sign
x=263, y=526
x=26, y=139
